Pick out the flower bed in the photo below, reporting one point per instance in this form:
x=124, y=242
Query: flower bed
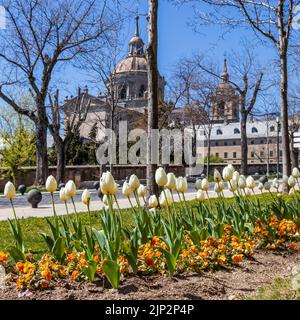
x=165, y=238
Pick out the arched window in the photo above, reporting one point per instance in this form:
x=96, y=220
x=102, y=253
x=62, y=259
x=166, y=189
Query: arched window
x=142, y=91
x=219, y=132
x=254, y=130
x=272, y=129
x=236, y=131
x=123, y=93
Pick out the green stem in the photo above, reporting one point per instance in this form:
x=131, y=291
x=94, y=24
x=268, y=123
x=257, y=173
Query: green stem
x=77, y=220
x=14, y=211
x=90, y=219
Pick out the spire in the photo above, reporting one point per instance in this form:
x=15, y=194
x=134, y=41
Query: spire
x=224, y=75
x=136, y=44
x=137, y=33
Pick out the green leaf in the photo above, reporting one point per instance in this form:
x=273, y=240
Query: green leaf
x=49, y=241
x=59, y=248
x=16, y=254
x=111, y=270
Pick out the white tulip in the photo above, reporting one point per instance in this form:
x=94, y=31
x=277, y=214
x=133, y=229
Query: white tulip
x=9, y=190
x=233, y=185
x=165, y=198
x=161, y=178
x=267, y=185
x=107, y=183
x=205, y=184
x=291, y=181
x=86, y=197
x=227, y=174
x=231, y=168
x=260, y=186
x=70, y=189
x=153, y=202
x=171, y=181
x=285, y=180
x=295, y=172
x=247, y=192
x=236, y=176
x=250, y=182
x=152, y=210
x=292, y=191
x=142, y=190
x=242, y=182
x=126, y=190
x=62, y=195
x=276, y=184
x=217, y=176
x=134, y=182
x=198, y=184
x=200, y=196
x=181, y=184
x=51, y=184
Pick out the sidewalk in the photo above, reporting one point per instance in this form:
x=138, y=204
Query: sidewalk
x=45, y=210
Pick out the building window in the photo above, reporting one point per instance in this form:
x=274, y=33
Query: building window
x=234, y=143
x=217, y=155
x=252, y=154
x=225, y=155
x=272, y=129
x=280, y=153
x=252, y=141
x=236, y=131
x=261, y=153
x=234, y=155
x=225, y=143
x=142, y=91
x=254, y=130
x=216, y=143
x=123, y=93
x=262, y=142
x=271, y=153
x=219, y=132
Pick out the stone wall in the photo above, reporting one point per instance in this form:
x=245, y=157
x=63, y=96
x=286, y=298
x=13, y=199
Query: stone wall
x=84, y=176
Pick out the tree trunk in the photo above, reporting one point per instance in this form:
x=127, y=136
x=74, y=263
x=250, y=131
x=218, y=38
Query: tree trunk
x=208, y=155
x=244, y=144
x=61, y=162
x=286, y=157
x=152, y=93
x=41, y=146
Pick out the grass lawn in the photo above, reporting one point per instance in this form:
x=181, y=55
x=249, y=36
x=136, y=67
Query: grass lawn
x=32, y=227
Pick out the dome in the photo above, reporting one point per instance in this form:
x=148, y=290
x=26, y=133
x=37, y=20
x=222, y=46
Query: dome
x=132, y=63
x=136, y=41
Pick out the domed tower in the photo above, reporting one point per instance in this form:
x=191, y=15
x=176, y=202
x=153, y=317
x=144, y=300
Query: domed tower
x=131, y=77
x=225, y=101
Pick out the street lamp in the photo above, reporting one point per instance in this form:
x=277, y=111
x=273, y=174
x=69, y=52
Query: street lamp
x=278, y=128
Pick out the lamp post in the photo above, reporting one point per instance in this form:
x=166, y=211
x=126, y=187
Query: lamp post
x=278, y=128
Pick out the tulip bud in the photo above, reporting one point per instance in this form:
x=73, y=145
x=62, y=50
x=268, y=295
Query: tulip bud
x=114, y=191
x=153, y=202
x=236, y=176
x=126, y=190
x=205, y=184
x=70, y=189
x=198, y=184
x=134, y=182
x=227, y=174
x=260, y=186
x=62, y=195
x=250, y=183
x=231, y=168
x=291, y=181
x=165, y=198
x=181, y=184
x=171, y=181
x=217, y=176
x=295, y=172
x=9, y=190
x=285, y=180
x=161, y=177
x=276, y=184
x=267, y=185
x=242, y=182
x=51, y=184
x=233, y=185
x=107, y=183
x=142, y=190
x=86, y=197
x=200, y=196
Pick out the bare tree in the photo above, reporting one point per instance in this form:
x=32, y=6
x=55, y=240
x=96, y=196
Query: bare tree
x=270, y=20
x=41, y=37
x=151, y=53
x=72, y=122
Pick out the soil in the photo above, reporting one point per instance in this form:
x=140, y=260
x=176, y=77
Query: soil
x=229, y=283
